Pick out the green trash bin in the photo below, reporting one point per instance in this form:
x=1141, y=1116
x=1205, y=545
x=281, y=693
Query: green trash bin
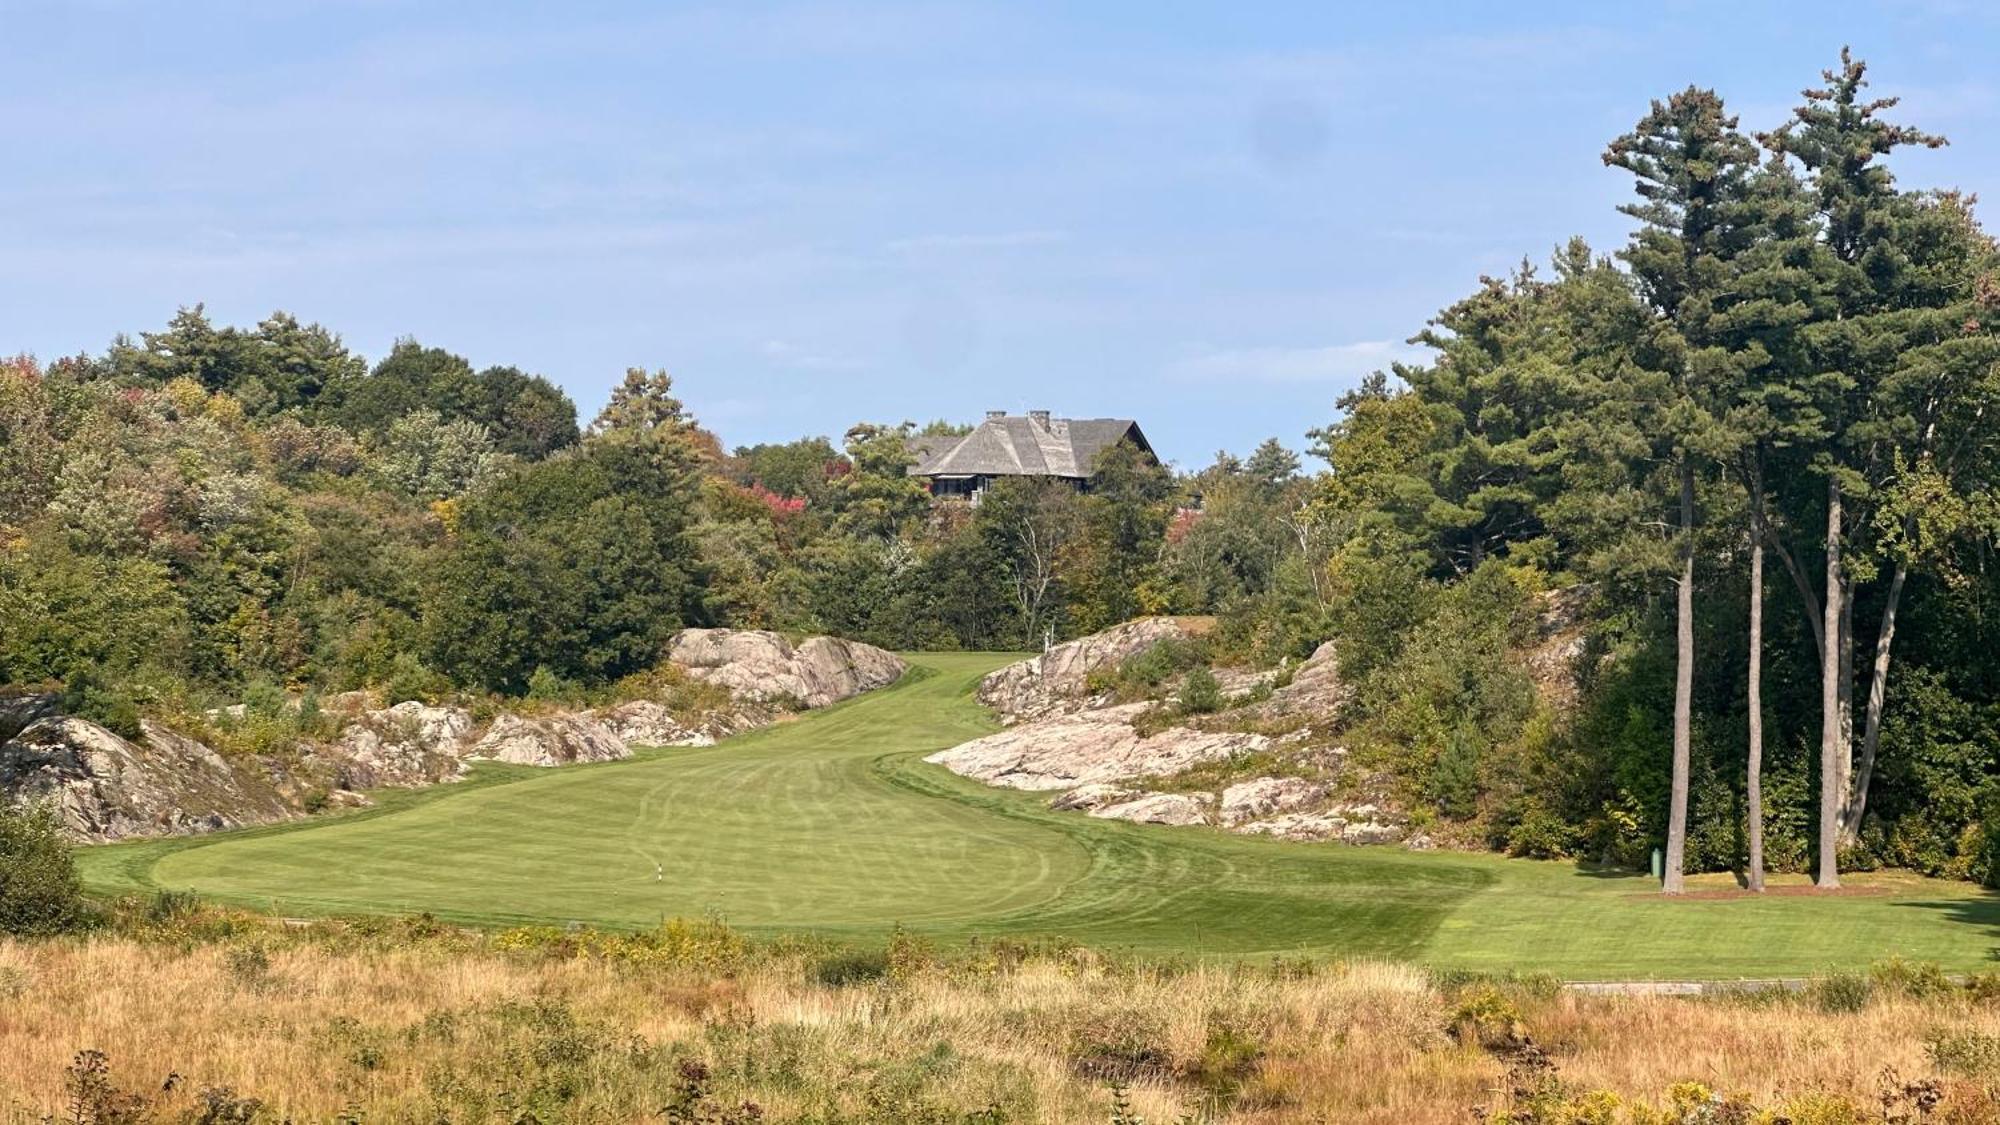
x=1659, y=866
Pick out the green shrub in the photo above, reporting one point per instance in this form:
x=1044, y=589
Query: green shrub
x=88, y=696
x=845, y=967
x=1970, y=1053
x=40, y=892
x=1228, y=1060
x=1143, y=674
x=1200, y=693
x=548, y=686
x=1541, y=834
x=1485, y=1015
x=1917, y=980
x=1839, y=993
x=410, y=678
x=249, y=966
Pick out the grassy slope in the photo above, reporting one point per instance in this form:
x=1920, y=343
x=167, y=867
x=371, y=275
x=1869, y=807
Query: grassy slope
x=833, y=824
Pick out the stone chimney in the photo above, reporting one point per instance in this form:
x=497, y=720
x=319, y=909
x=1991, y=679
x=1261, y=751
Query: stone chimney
x=996, y=414
x=1039, y=418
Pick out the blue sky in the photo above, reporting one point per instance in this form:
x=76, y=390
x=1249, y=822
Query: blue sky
x=1213, y=218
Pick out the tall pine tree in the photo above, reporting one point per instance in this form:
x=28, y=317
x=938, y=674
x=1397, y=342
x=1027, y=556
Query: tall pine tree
x=1693, y=169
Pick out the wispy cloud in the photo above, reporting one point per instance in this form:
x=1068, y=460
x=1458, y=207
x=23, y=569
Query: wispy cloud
x=1333, y=363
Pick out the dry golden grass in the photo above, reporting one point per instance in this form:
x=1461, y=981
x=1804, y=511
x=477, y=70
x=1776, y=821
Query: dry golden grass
x=389, y=1024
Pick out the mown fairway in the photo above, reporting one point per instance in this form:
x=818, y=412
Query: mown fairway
x=833, y=824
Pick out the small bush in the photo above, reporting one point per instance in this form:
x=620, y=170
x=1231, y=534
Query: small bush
x=1541, y=834
x=1839, y=993
x=548, y=686
x=249, y=965
x=845, y=968
x=1229, y=1058
x=1983, y=988
x=410, y=678
x=909, y=956
x=1145, y=673
x=1200, y=693
x=1969, y=1053
x=1917, y=980
x=40, y=892
x=1485, y=1015
x=88, y=696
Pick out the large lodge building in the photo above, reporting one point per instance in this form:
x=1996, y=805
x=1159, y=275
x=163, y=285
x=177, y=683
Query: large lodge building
x=1020, y=445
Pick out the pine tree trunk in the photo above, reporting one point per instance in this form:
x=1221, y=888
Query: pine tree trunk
x=1878, y=692
x=1846, y=697
x=1829, y=699
x=1683, y=691
x=1754, y=788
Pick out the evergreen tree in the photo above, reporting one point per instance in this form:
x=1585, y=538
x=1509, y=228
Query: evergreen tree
x=1838, y=137
x=1693, y=168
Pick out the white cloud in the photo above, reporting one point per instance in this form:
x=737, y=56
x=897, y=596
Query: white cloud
x=1334, y=363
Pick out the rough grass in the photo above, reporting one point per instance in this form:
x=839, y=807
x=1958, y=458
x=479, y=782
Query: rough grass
x=833, y=825
x=392, y=1022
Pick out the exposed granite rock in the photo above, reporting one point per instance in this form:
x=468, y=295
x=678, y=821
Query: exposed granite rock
x=1297, y=826
x=1371, y=832
x=1062, y=674
x=350, y=702
x=1359, y=824
x=552, y=740
x=1065, y=751
x=1264, y=797
x=106, y=788
x=1315, y=695
x=412, y=743
x=18, y=711
x=1554, y=660
x=1158, y=808
x=1096, y=795
x=765, y=667
x=643, y=722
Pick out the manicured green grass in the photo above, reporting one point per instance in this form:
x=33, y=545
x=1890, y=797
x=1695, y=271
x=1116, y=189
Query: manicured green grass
x=833, y=824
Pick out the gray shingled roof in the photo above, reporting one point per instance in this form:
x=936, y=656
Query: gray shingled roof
x=1015, y=445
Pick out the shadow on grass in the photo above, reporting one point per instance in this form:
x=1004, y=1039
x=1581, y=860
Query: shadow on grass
x=1590, y=869
x=1981, y=910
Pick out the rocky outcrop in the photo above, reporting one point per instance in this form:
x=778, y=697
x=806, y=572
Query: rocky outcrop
x=1062, y=674
x=1062, y=736
x=643, y=722
x=1096, y=795
x=409, y=744
x=1316, y=686
x=1263, y=797
x=1554, y=661
x=550, y=740
x=1357, y=824
x=1313, y=695
x=1099, y=745
x=1158, y=808
x=1297, y=826
x=17, y=712
x=106, y=788
x=765, y=667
